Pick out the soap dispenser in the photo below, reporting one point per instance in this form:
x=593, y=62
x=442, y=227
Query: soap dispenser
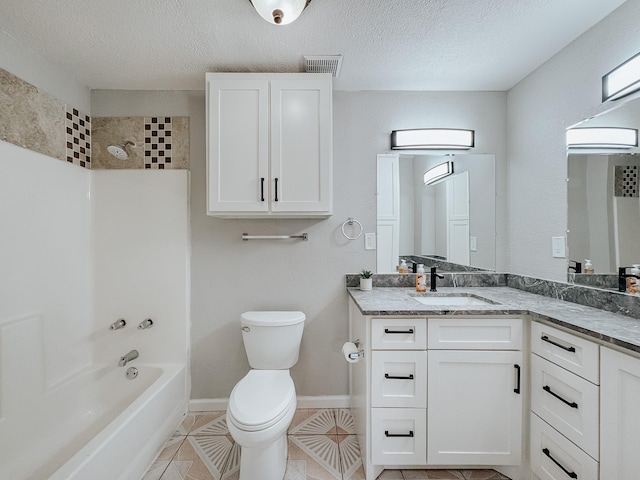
x=421, y=279
x=588, y=266
x=404, y=268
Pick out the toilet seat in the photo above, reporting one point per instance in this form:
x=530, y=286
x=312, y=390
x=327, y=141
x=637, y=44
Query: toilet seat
x=261, y=399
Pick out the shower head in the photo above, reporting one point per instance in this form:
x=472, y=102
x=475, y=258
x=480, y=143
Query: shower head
x=119, y=151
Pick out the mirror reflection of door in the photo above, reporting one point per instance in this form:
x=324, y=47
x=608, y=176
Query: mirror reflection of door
x=414, y=219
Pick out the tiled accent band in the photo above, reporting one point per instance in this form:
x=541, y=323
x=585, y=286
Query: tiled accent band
x=158, y=142
x=78, y=137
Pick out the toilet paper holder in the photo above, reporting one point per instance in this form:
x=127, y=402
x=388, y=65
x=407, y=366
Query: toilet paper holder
x=359, y=353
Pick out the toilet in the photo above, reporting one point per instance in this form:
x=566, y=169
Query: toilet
x=262, y=403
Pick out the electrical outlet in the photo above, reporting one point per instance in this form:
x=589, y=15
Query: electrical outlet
x=473, y=244
x=558, y=247
x=369, y=241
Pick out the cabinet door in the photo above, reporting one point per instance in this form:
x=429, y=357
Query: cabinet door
x=237, y=144
x=619, y=416
x=474, y=407
x=301, y=145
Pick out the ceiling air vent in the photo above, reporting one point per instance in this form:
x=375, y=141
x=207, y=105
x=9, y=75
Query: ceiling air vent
x=323, y=64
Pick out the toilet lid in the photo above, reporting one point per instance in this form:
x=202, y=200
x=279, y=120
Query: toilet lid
x=261, y=399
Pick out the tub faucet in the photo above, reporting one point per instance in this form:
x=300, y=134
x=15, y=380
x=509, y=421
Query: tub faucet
x=132, y=355
x=434, y=276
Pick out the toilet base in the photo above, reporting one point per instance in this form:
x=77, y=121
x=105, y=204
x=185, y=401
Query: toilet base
x=267, y=463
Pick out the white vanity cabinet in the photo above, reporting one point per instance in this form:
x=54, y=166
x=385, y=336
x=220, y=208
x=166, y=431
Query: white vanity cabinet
x=620, y=416
x=565, y=405
x=476, y=385
x=269, y=145
x=431, y=392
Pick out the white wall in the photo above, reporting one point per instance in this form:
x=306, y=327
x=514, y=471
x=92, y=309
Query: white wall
x=31, y=67
x=562, y=92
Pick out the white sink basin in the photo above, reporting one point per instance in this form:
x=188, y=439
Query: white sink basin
x=453, y=300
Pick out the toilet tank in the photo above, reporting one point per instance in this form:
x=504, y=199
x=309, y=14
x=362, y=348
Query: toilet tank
x=272, y=338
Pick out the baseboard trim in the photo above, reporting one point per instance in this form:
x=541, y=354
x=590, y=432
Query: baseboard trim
x=323, y=401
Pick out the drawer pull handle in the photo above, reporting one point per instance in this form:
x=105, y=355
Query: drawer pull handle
x=547, y=389
x=262, y=189
x=402, y=332
x=387, y=434
x=392, y=377
x=544, y=338
x=517, y=389
x=276, y=189
x=567, y=472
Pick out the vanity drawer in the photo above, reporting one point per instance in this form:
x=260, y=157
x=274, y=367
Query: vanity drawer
x=399, y=436
x=475, y=333
x=399, y=378
x=567, y=402
x=553, y=457
x=576, y=354
x=399, y=333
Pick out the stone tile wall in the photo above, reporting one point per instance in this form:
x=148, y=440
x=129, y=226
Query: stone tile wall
x=33, y=119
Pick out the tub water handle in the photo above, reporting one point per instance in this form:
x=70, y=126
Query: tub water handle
x=246, y=329
x=118, y=324
x=148, y=323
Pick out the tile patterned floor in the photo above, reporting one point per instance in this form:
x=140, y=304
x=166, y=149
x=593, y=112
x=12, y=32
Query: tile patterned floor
x=322, y=446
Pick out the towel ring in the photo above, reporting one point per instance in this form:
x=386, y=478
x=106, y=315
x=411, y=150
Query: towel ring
x=351, y=221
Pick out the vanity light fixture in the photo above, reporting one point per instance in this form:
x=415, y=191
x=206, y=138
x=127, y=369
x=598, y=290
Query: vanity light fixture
x=279, y=12
x=437, y=173
x=622, y=80
x=602, y=137
x=432, y=139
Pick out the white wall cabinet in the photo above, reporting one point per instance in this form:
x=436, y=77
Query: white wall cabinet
x=269, y=145
x=619, y=416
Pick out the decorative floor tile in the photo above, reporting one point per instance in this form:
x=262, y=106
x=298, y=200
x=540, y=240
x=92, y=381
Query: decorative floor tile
x=350, y=459
x=344, y=421
x=187, y=424
x=232, y=466
x=296, y=470
x=156, y=470
x=484, y=475
x=433, y=474
x=210, y=423
x=213, y=451
x=391, y=475
x=171, y=447
x=188, y=465
x=313, y=422
x=320, y=454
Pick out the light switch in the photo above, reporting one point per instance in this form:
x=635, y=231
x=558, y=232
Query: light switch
x=558, y=247
x=473, y=244
x=369, y=241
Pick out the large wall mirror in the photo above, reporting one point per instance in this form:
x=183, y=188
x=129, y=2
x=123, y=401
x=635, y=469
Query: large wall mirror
x=603, y=199
x=451, y=222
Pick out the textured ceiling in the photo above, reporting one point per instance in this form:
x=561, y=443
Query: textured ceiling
x=387, y=44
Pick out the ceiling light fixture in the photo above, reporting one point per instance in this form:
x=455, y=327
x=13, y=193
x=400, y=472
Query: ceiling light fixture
x=622, y=80
x=602, y=137
x=279, y=12
x=437, y=173
x=432, y=139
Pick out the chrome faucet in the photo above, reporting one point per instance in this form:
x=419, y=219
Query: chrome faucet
x=434, y=276
x=118, y=324
x=132, y=355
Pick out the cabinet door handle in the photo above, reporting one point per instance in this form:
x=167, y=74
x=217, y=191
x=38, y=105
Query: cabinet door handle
x=567, y=472
x=392, y=377
x=276, y=199
x=262, y=189
x=517, y=389
x=547, y=389
x=403, y=332
x=544, y=338
x=387, y=434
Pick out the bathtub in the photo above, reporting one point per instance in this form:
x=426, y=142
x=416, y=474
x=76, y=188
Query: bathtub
x=99, y=426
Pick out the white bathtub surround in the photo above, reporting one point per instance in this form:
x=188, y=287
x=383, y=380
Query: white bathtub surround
x=81, y=249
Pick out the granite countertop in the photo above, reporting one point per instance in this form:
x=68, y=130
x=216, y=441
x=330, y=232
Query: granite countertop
x=612, y=328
